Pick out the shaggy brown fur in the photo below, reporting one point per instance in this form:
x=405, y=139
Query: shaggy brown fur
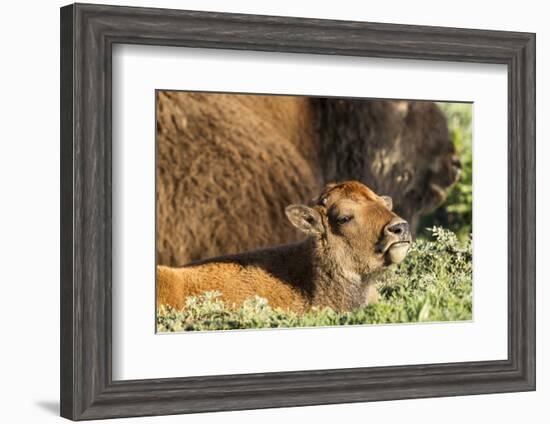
x=227, y=165
x=352, y=234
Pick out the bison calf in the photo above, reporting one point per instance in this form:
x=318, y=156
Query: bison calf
x=352, y=234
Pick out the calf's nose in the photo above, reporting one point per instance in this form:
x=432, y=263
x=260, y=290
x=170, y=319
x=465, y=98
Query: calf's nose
x=399, y=228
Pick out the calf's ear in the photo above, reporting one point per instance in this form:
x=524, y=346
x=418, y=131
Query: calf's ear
x=388, y=201
x=304, y=218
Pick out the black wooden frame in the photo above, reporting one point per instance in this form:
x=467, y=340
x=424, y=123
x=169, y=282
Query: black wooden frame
x=88, y=33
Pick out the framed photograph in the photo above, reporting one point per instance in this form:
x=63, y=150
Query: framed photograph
x=263, y=211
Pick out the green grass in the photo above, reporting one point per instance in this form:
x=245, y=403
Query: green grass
x=434, y=283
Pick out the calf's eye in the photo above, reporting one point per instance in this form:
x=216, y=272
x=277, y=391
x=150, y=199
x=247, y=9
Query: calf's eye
x=344, y=219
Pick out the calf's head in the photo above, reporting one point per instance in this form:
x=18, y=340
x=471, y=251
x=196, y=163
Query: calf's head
x=354, y=228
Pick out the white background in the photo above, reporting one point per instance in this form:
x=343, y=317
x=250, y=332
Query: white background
x=139, y=70
x=29, y=175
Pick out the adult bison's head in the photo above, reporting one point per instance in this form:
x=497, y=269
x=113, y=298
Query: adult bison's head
x=355, y=229
x=400, y=148
x=434, y=165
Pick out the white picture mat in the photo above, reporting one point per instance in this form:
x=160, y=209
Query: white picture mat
x=139, y=353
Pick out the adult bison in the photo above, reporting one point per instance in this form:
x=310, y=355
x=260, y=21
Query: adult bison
x=227, y=165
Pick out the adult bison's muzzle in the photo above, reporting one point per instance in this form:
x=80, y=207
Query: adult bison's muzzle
x=397, y=240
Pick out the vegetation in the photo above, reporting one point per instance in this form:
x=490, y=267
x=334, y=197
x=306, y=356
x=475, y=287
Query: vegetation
x=434, y=283
x=456, y=213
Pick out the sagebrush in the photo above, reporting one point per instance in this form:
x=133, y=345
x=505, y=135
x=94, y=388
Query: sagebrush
x=434, y=283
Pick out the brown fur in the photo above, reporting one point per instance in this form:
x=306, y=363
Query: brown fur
x=226, y=168
x=227, y=165
x=333, y=267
